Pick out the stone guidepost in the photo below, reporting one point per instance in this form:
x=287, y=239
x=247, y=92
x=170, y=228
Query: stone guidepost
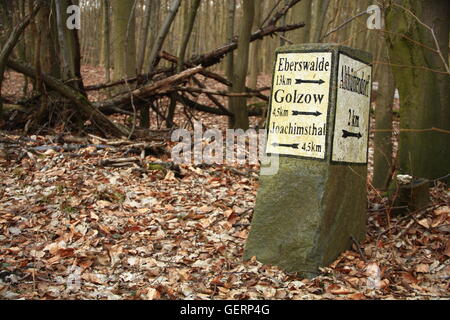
x=307, y=213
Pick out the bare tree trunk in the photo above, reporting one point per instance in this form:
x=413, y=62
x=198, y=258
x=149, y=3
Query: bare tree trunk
x=301, y=13
x=423, y=84
x=10, y=44
x=162, y=34
x=188, y=26
x=144, y=35
x=106, y=39
x=230, y=34
x=283, y=23
x=22, y=43
x=68, y=47
x=124, y=44
x=383, y=124
x=321, y=11
x=239, y=104
x=64, y=50
x=155, y=8
x=256, y=48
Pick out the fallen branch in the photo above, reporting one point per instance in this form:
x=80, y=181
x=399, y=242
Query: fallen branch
x=216, y=92
x=200, y=107
x=210, y=96
x=357, y=245
x=67, y=147
x=138, y=79
x=212, y=75
x=159, y=87
x=79, y=100
x=119, y=161
x=205, y=60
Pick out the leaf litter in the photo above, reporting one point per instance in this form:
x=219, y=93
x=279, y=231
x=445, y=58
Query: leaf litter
x=72, y=228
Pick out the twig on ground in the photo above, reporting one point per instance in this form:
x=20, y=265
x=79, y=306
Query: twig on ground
x=361, y=253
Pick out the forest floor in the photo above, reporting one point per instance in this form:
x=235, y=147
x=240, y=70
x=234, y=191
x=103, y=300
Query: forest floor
x=72, y=227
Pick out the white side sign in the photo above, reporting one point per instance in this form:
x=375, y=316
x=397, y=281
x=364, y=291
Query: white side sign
x=351, y=129
x=297, y=122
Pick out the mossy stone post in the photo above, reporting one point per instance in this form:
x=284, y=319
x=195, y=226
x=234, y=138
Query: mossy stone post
x=318, y=123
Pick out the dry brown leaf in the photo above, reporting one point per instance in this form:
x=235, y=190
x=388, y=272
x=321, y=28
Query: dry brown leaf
x=94, y=216
x=447, y=249
x=228, y=212
x=408, y=277
x=104, y=229
x=338, y=290
x=153, y=294
x=169, y=207
x=232, y=218
x=91, y=277
x=53, y=260
x=353, y=281
x=37, y=254
x=103, y=203
x=37, y=209
x=422, y=268
x=170, y=176
x=85, y=264
x=50, y=152
x=442, y=210
x=439, y=220
x=335, y=263
x=357, y=296
x=206, y=209
x=68, y=252
x=384, y=283
x=102, y=259
x=424, y=223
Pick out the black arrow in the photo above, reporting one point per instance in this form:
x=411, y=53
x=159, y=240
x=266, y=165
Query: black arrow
x=346, y=134
x=305, y=113
x=300, y=81
x=293, y=145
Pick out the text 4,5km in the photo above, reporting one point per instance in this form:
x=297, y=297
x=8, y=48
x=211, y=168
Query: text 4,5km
x=311, y=147
x=280, y=112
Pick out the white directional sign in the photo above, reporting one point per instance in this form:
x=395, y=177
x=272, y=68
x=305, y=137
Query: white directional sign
x=297, y=122
x=351, y=126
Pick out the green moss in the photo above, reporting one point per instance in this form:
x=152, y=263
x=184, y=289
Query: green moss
x=69, y=210
x=18, y=172
x=156, y=166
